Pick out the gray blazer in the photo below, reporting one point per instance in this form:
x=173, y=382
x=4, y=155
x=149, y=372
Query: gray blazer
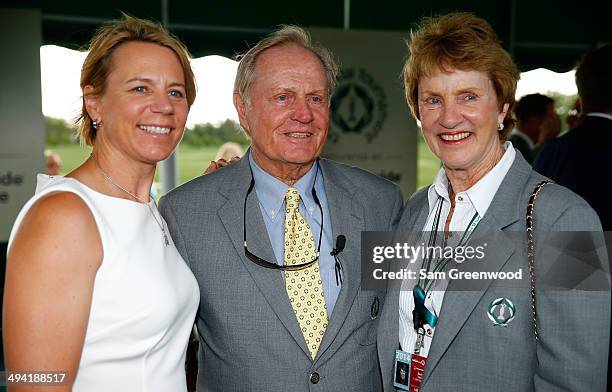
x=469, y=353
x=249, y=336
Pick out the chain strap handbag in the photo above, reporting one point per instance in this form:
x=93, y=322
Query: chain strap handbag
x=531, y=253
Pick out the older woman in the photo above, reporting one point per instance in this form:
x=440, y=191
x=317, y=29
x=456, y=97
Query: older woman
x=95, y=288
x=461, y=84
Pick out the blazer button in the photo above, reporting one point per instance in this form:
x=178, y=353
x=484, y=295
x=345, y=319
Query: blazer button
x=314, y=377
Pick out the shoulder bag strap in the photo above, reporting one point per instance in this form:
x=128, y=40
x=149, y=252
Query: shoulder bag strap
x=531, y=253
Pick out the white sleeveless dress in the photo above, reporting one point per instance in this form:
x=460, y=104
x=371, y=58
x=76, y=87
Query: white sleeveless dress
x=144, y=298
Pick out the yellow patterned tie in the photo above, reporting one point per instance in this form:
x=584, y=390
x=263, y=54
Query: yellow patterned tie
x=304, y=286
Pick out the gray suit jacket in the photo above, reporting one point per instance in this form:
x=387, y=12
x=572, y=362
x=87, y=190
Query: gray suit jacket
x=469, y=353
x=249, y=336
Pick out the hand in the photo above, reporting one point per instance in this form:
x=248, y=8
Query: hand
x=214, y=165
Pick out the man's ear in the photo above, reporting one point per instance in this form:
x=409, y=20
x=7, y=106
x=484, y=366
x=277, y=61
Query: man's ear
x=241, y=108
x=92, y=103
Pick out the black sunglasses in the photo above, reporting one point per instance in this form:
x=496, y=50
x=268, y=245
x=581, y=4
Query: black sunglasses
x=266, y=264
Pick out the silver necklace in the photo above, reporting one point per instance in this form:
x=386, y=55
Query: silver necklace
x=159, y=222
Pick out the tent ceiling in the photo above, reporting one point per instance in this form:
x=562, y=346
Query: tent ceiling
x=548, y=34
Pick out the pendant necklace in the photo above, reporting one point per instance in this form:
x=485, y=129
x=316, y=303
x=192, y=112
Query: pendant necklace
x=159, y=222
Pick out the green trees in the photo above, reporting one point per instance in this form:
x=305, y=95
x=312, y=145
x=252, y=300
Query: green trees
x=211, y=135
x=60, y=132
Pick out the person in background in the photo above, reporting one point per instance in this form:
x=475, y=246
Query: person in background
x=53, y=163
x=228, y=151
x=537, y=122
x=95, y=288
x=460, y=83
x=275, y=238
x=575, y=160
x=574, y=115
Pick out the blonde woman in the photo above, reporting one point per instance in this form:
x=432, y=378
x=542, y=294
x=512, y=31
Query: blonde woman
x=95, y=288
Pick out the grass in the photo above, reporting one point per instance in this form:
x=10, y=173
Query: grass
x=427, y=164
x=72, y=155
x=192, y=161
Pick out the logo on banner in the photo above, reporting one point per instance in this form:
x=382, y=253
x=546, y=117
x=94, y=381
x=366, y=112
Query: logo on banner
x=359, y=106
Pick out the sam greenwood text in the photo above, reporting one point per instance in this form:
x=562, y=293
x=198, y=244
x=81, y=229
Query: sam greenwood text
x=453, y=274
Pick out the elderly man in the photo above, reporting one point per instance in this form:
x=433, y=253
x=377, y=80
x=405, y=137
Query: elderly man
x=274, y=239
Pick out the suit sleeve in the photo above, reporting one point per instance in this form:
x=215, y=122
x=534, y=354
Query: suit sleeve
x=396, y=213
x=165, y=208
x=545, y=162
x=574, y=324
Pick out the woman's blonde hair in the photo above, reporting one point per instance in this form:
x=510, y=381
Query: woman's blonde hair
x=97, y=65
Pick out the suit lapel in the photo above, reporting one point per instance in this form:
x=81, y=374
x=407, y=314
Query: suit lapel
x=458, y=305
x=347, y=218
x=270, y=282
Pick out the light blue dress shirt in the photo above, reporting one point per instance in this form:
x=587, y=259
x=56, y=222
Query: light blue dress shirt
x=271, y=196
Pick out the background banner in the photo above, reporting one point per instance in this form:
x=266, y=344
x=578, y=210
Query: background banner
x=370, y=124
x=21, y=125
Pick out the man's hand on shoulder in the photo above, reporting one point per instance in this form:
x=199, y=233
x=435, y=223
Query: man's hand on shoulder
x=214, y=165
